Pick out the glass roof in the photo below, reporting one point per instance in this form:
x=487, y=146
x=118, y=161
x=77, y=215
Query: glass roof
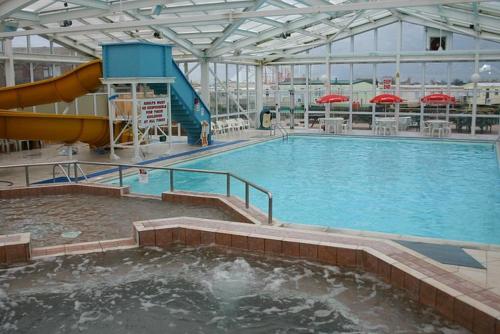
x=208, y=28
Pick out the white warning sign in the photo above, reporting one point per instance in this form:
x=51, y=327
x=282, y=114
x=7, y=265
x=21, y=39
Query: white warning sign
x=153, y=112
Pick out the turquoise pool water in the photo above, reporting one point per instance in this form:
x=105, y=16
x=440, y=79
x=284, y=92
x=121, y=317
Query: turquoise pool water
x=440, y=189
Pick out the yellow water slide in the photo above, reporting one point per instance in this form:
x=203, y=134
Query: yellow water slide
x=21, y=125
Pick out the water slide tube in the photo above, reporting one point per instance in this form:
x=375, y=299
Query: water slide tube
x=21, y=125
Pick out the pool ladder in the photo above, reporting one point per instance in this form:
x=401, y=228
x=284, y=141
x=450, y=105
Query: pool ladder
x=284, y=133
x=67, y=173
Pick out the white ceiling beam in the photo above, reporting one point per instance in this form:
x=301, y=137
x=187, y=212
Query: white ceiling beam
x=90, y=3
x=422, y=19
x=8, y=7
x=235, y=25
x=170, y=34
x=230, y=17
x=353, y=31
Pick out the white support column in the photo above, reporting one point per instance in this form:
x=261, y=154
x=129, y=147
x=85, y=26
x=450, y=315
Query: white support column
x=351, y=93
x=111, y=121
x=476, y=79
x=374, y=88
x=351, y=89
x=135, y=123
x=238, y=88
x=422, y=94
x=205, y=92
x=306, y=98
x=248, y=92
x=398, y=69
x=10, y=78
x=258, y=92
x=277, y=93
x=328, y=83
x=374, y=106
x=216, y=93
x=32, y=79
x=448, y=90
x=169, y=112
x=227, y=92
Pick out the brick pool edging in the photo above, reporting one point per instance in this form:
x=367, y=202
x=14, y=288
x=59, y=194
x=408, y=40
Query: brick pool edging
x=15, y=248
x=60, y=189
x=463, y=302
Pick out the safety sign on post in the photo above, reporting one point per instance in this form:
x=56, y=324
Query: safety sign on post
x=387, y=82
x=153, y=112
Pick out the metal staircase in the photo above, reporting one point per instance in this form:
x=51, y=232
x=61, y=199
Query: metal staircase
x=187, y=106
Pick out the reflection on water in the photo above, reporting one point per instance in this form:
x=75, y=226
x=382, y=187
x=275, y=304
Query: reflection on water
x=204, y=290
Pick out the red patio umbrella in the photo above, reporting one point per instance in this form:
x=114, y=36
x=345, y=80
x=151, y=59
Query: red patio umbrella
x=332, y=98
x=438, y=100
x=386, y=99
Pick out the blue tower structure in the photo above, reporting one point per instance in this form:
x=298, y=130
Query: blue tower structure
x=149, y=60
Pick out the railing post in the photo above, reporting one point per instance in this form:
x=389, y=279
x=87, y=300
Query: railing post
x=171, y=180
x=76, y=172
x=270, y=211
x=247, y=195
x=120, y=174
x=27, y=175
x=228, y=185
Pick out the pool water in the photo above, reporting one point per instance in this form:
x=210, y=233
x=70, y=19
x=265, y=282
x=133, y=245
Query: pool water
x=440, y=189
x=204, y=290
x=96, y=217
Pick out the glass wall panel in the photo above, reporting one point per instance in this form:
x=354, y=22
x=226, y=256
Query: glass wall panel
x=221, y=89
x=317, y=86
x=2, y=75
x=341, y=46
x=364, y=42
x=387, y=37
x=22, y=72
x=39, y=45
x=413, y=37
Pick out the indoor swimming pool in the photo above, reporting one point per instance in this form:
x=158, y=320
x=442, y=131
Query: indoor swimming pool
x=427, y=188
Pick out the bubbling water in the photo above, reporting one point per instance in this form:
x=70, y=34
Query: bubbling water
x=202, y=290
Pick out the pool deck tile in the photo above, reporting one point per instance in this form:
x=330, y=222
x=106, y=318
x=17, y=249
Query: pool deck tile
x=193, y=237
x=273, y=246
x=223, y=239
x=291, y=248
x=164, y=237
x=346, y=257
x=115, y=244
x=427, y=294
x=239, y=241
x=147, y=238
x=308, y=251
x=255, y=243
x=3, y=258
x=207, y=237
x=82, y=248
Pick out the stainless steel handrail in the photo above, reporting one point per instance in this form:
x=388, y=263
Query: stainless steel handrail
x=284, y=133
x=62, y=169
x=77, y=167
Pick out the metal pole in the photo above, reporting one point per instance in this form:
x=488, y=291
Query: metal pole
x=171, y=180
x=228, y=185
x=76, y=172
x=120, y=173
x=27, y=175
x=270, y=211
x=247, y=195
